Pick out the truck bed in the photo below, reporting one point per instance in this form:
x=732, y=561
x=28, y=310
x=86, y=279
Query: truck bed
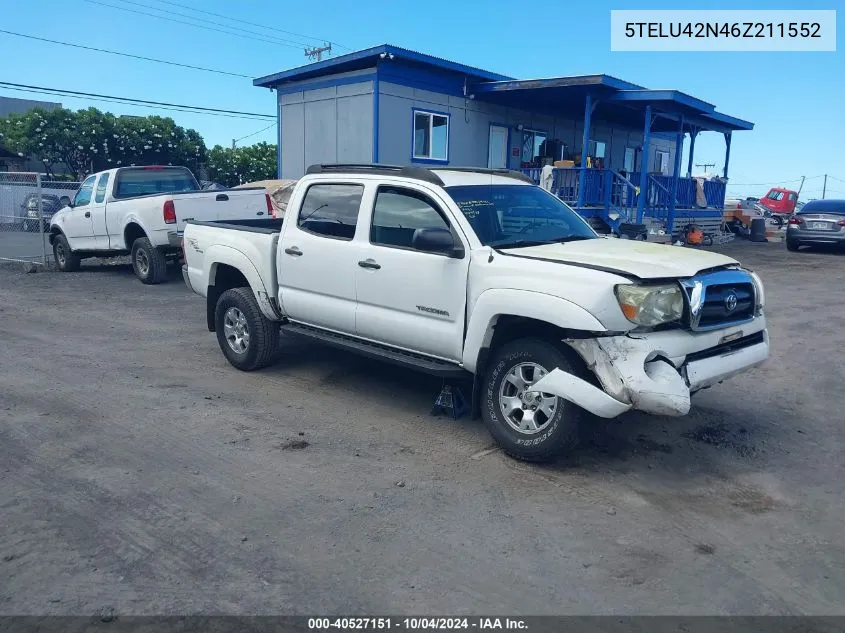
x=253, y=225
x=236, y=243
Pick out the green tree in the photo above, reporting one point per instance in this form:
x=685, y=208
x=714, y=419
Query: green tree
x=88, y=140
x=236, y=166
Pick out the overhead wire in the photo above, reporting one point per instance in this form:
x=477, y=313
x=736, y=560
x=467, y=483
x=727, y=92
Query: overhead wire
x=198, y=19
x=199, y=26
x=133, y=101
x=130, y=55
x=256, y=24
x=238, y=140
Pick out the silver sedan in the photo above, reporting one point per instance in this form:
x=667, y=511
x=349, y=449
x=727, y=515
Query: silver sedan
x=818, y=222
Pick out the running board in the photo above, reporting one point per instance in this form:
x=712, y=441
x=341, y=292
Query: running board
x=419, y=362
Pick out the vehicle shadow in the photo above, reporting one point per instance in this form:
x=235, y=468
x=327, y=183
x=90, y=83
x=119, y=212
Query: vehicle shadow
x=709, y=440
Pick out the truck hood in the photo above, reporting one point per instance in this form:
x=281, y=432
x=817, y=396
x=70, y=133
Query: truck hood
x=627, y=257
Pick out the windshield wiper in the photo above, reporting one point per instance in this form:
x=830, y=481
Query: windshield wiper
x=573, y=238
x=519, y=243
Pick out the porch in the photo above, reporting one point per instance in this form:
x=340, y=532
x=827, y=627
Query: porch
x=641, y=191
x=615, y=198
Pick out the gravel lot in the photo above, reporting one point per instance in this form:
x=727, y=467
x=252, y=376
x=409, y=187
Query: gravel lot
x=139, y=472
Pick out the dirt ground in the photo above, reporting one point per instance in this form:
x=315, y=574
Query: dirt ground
x=140, y=473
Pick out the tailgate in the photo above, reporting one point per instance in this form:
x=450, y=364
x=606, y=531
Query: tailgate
x=230, y=204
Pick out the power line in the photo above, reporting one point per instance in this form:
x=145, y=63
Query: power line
x=238, y=140
x=141, y=57
x=196, y=19
x=765, y=184
x=133, y=101
x=198, y=26
x=256, y=24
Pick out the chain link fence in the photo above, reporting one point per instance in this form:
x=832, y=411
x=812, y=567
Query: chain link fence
x=27, y=202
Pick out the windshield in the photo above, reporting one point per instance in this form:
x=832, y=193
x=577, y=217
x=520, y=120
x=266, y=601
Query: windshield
x=518, y=215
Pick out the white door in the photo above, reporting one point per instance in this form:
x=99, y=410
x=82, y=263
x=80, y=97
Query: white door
x=497, y=155
x=318, y=261
x=98, y=213
x=77, y=224
x=408, y=297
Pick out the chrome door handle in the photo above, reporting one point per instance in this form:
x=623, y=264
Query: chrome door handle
x=293, y=250
x=369, y=263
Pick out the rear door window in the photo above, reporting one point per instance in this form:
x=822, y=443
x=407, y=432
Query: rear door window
x=101, y=188
x=331, y=210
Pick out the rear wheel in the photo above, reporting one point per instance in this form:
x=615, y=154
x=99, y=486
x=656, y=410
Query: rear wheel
x=66, y=260
x=792, y=245
x=149, y=264
x=528, y=425
x=248, y=339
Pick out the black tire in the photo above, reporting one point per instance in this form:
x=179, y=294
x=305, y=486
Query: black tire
x=149, y=264
x=558, y=434
x=263, y=340
x=792, y=245
x=66, y=260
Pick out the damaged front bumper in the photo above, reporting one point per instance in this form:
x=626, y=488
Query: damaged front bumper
x=657, y=372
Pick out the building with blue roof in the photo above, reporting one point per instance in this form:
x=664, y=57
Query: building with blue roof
x=615, y=146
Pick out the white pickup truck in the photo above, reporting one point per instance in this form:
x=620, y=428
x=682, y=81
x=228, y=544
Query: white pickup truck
x=479, y=274
x=142, y=211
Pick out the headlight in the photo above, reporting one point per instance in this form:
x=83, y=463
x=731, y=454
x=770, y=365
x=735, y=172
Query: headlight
x=650, y=305
x=758, y=287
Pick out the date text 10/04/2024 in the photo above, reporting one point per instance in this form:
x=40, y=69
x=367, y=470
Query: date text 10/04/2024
x=417, y=624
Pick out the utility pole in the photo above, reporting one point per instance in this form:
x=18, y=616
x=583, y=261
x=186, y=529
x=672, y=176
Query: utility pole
x=801, y=186
x=705, y=165
x=233, y=142
x=317, y=53
x=824, y=186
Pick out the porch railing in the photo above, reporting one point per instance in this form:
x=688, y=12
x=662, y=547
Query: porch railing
x=615, y=197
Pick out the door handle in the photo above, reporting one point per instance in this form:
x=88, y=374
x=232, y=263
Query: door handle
x=222, y=197
x=87, y=214
x=293, y=250
x=369, y=263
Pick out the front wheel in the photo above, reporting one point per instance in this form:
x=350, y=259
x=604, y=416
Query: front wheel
x=66, y=260
x=247, y=338
x=527, y=424
x=149, y=264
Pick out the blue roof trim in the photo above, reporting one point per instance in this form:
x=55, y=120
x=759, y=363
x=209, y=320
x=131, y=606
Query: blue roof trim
x=362, y=59
x=605, y=81
x=730, y=121
x=675, y=96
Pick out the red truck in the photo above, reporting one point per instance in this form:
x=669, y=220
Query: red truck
x=780, y=201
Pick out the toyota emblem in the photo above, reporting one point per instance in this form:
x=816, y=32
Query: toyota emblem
x=731, y=301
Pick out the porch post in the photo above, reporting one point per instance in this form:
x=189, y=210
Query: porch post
x=585, y=142
x=693, y=133
x=727, y=153
x=644, y=167
x=679, y=143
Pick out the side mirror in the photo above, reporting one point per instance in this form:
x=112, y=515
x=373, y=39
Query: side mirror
x=437, y=241
x=64, y=201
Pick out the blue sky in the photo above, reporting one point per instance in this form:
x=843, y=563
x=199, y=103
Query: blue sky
x=795, y=99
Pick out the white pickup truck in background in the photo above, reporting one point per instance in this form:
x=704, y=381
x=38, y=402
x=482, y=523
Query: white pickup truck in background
x=480, y=274
x=141, y=211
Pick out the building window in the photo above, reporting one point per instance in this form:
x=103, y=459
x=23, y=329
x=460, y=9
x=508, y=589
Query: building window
x=534, y=148
x=630, y=159
x=661, y=162
x=431, y=136
x=597, y=149
x=331, y=210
